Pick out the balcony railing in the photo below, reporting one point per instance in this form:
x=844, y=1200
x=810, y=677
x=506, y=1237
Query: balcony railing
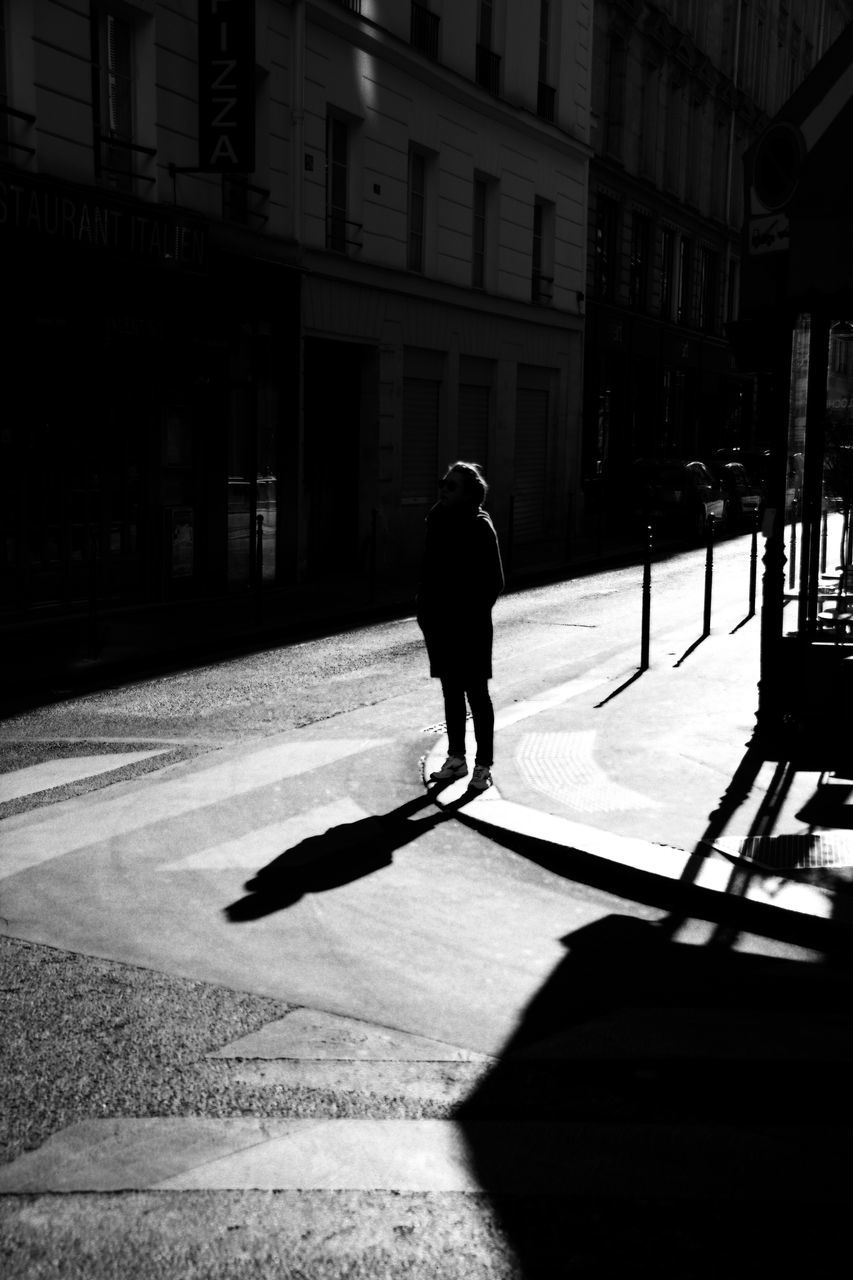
x=8, y=142
x=488, y=70
x=541, y=287
x=546, y=99
x=354, y=6
x=115, y=161
x=424, y=31
x=242, y=202
x=342, y=234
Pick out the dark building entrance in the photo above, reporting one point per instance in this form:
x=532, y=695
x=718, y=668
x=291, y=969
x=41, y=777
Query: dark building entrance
x=337, y=387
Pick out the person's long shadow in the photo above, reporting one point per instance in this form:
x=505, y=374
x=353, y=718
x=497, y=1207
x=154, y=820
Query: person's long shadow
x=337, y=857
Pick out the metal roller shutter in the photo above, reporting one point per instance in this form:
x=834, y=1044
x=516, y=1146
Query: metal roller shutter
x=531, y=458
x=474, y=402
x=420, y=439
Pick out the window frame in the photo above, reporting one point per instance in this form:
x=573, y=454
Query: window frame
x=337, y=127
x=416, y=203
x=114, y=145
x=480, y=231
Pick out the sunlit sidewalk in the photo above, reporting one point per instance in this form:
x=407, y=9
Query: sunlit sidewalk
x=659, y=772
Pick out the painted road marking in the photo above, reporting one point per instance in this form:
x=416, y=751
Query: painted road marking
x=31, y=840
x=311, y=1034
x=67, y=769
x=681, y=1161
x=247, y=852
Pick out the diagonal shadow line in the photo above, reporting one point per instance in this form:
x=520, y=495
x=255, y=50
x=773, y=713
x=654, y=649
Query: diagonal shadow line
x=623, y=686
x=687, y=652
x=743, y=622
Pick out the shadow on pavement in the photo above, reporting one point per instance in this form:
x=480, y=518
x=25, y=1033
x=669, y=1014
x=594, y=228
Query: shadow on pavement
x=667, y=1112
x=666, y=1108
x=337, y=857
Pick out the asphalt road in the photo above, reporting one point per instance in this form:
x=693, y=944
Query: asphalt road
x=130, y=930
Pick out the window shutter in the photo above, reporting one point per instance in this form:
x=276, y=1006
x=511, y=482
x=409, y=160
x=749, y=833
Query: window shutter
x=531, y=458
x=119, y=78
x=473, y=437
x=420, y=439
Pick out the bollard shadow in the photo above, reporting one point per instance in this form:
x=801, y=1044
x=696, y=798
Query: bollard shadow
x=691, y=649
x=337, y=857
x=640, y=1120
x=625, y=685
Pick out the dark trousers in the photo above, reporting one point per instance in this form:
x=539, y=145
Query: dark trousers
x=455, y=690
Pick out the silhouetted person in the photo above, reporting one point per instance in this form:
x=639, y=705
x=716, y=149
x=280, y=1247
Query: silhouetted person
x=462, y=579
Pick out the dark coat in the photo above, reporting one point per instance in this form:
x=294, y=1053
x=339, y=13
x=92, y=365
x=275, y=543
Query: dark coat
x=461, y=580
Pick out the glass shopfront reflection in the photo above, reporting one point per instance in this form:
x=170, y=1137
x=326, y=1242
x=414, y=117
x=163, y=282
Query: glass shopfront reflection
x=818, y=499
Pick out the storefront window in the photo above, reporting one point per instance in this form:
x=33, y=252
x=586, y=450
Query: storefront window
x=819, y=484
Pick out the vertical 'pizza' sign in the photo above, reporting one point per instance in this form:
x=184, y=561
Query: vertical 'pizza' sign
x=226, y=86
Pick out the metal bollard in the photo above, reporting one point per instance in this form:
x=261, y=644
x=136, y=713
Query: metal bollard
x=753, y=564
x=647, y=601
x=709, y=576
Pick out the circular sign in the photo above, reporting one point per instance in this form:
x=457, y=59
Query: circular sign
x=776, y=165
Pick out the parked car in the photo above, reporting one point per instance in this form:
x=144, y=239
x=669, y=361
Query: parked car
x=741, y=495
x=682, y=495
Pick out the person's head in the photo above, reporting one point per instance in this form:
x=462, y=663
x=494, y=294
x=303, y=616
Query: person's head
x=463, y=484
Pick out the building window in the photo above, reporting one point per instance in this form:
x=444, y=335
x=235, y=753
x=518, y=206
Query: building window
x=708, y=290
x=606, y=230
x=616, y=66
x=648, y=141
x=545, y=94
x=667, y=270
x=639, y=280
x=423, y=31
x=488, y=63
x=672, y=157
x=732, y=300
x=685, y=280
x=719, y=156
x=696, y=155
x=796, y=40
x=337, y=183
x=478, y=263
x=542, y=283
x=235, y=197
x=417, y=209
x=112, y=99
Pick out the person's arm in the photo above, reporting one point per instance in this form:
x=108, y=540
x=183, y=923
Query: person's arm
x=488, y=576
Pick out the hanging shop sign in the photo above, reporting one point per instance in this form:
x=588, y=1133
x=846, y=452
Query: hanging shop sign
x=41, y=209
x=226, y=86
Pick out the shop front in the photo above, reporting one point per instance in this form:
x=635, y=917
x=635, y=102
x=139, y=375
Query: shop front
x=146, y=400
x=797, y=319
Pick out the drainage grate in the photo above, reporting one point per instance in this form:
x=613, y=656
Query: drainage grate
x=834, y=849
x=441, y=727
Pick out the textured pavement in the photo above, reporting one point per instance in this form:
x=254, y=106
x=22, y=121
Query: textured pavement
x=658, y=773
x=521, y=1050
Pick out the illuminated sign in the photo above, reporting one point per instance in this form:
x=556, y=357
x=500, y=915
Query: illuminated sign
x=770, y=234
x=226, y=86
x=39, y=208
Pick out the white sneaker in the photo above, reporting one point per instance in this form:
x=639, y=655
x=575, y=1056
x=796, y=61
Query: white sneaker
x=481, y=778
x=453, y=767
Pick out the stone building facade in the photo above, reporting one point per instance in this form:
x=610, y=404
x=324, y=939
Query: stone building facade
x=270, y=267
x=680, y=91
